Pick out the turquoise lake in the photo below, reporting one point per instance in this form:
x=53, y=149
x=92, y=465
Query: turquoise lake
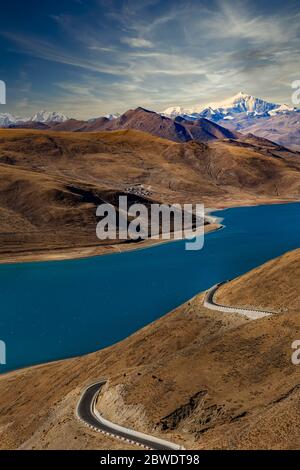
x=54, y=310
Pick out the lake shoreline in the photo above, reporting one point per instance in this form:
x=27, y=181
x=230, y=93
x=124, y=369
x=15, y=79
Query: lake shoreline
x=168, y=268
x=208, y=358
x=84, y=252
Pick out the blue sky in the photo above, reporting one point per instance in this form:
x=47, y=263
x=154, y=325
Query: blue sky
x=91, y=57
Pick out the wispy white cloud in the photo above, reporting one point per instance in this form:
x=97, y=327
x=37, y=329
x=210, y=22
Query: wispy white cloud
x=136, y=42
x=185, y=53
x=236, y=20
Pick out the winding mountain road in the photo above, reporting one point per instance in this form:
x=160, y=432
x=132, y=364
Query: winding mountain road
x=87, y=413
x=90, y=416
x=248, y=312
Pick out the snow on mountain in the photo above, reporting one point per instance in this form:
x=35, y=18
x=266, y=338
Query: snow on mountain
x=174, y=111
x=238, y=104
x=112, y=116
x=7, y=119
x=243, y=103
x=283, y=109
x=46, y=117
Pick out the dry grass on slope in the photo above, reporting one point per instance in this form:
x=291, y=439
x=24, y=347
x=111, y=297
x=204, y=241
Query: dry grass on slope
x=198, y=377
x=274, y=285
x=52, y=182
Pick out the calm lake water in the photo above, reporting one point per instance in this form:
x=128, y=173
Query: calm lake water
x=53, y=310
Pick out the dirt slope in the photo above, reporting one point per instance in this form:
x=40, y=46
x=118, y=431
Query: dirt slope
x=52, y=182
x=201, y=378
x=275, y=288
x=284, y=129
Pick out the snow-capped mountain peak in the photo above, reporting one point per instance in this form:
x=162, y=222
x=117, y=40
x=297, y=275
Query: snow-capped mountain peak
x=247, y=103
x=174, y=111
x=241, y=103
x=112, y=116
x=7, y=119
x=48, y=116
x=282, y=109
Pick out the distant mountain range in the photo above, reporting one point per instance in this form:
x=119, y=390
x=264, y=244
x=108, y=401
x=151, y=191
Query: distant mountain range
x=148, y=157
x=178, y=130
x=44, y=117
x=41, y=117
x=230, y=108
x=247, y=114
x=241, y=113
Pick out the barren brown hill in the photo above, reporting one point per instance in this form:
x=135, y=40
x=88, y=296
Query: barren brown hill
x=201, y=378
x=274, y=288
x=266, y=145
x=283, y=129
x=71, y=125
x=31, y=125
x=82, y=126
x=204, y=130
x=51, y=182
x=148, y=121
x=178, y=130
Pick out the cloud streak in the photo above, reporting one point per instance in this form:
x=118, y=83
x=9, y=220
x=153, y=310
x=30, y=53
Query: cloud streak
x=156, y=53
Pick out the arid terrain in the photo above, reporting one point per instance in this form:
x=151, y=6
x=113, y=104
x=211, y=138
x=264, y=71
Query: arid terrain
x=201, y=378
x=140, y=119
x=282, y=129
x=149, y=165
x=52, y=182
x=197, y=377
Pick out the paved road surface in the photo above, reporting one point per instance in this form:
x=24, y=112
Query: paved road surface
x=212, y=305
x=87, y=412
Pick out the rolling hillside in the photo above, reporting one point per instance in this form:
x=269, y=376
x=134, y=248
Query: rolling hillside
x=200, y=378
x=51, y=182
